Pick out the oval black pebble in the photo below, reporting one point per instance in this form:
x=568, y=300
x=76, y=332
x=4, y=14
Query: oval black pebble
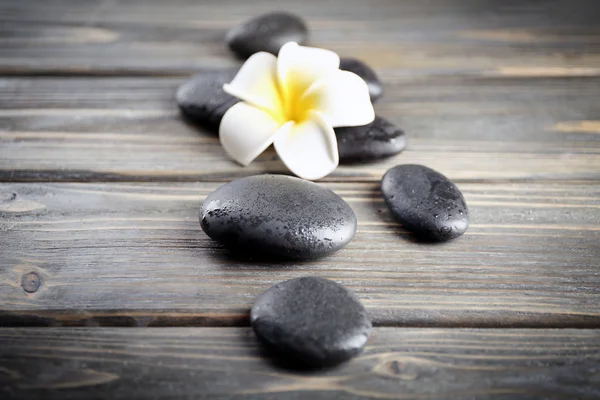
x=425, y=202
x=366, y=73
x=278, y=215
x=267, y=32
x=203, y=99
x=379, y=139
x=313, y=320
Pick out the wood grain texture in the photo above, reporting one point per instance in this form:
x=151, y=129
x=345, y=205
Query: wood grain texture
x=224, y=363
x=129, y=129
x=501, y=96
x=134, y=254
x=439, y=37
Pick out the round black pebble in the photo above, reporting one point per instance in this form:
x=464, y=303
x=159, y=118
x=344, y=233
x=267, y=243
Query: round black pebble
x=425, y=202
x=312, y=320
x=278, y=215
x=266, y=33
x=203, y=99
x=379, y=139
x=366, y=73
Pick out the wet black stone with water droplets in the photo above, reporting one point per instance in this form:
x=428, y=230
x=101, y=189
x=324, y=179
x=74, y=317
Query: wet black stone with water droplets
x=379, y=139
x=268, y=33
x=312, y=321
x=366, y=73
x=278, y=215
x=425, y=202
x=203, y=99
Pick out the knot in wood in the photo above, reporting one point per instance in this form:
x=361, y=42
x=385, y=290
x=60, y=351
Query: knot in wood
x=31, y=282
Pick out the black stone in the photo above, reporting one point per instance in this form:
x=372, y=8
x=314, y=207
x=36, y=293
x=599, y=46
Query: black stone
x=379, y=139
x=364, y=71
x=267, y=32
x=425, y=202
x=313, y=320
x=278, y=215
x=203, y=99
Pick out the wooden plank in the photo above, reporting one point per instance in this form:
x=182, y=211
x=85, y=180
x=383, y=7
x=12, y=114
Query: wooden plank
x=134, y=254
x=223, y=363
x=483, y=37
x=471, y=129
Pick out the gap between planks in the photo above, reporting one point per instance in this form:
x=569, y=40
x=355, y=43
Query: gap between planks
x=82, y=176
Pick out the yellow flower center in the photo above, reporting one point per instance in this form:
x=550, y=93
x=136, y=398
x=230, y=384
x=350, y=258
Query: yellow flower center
x=295, y=104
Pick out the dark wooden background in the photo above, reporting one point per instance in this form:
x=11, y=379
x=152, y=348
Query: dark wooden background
x=101, y=181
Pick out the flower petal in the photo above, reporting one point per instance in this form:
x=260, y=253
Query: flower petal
x=298, y=67
x=256, y=82
x=309, y=149
x=246, y=131
x=343, y=99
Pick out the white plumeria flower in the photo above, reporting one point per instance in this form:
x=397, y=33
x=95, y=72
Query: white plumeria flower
x=294, y=101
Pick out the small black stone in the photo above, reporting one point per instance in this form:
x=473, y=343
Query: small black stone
x=267, y=32
x=313, y=320
x=364, y=71
x=278, y=215
x=425, y=202
x=379, y=139
x=203, y=99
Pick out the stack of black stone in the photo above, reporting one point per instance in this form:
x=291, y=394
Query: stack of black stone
x=203, y=100
x=310, y=320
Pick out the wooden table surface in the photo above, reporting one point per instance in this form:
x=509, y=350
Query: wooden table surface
x=101, y=181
